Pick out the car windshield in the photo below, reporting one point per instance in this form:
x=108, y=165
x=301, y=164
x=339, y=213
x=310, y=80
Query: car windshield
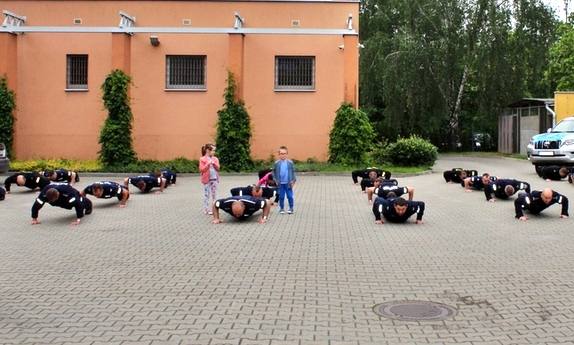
x=564, y=126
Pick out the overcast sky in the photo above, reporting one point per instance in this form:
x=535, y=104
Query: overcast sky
x=558, y=6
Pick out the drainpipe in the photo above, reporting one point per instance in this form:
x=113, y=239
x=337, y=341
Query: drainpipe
x=551, y=112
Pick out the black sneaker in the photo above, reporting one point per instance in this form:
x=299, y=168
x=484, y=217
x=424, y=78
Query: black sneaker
x=569, y=178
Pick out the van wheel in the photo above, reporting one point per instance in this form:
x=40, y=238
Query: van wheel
x=538, y=168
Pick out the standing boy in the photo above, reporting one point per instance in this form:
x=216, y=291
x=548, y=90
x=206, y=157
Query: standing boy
x=284, y=174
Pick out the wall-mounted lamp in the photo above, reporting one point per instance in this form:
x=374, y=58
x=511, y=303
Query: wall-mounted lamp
x=154, y=40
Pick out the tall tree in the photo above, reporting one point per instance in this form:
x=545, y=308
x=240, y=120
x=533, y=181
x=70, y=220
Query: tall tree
x=561, y=69
x=428, y=64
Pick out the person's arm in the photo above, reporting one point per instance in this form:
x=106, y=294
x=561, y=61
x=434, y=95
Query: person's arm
x=266, y=209
x=354, y=175
x=564, y=203
x=78, y=207
x=125, y=196
x=519, y=214
x=292, y=166
x=203, y=164
x=215, y=211
x=161, y=185
x=447, y=176
x=420, y=212
x=38, y=204
x=370, y=192
x=216, y=163
x=72, y=177
x=467, y=185
x=8, y=181
x=411, y=192
x=377, y=210
x=488, y=193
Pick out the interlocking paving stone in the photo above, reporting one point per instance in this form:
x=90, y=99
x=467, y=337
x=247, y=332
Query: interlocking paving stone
x=157, y=272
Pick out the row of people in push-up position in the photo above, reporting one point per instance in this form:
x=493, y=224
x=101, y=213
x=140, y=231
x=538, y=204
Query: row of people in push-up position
x=533, y=201
x=245, y=201
x=388, y=203
x=61, y=193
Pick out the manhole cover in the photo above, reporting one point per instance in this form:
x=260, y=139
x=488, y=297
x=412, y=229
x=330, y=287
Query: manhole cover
x=415, y=311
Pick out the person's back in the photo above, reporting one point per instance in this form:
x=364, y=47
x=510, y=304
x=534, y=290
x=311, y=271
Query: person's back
x=31, y=180
x=397, y=209
x=145, y=183
x=251, y=204
x=539, y=200
x=554, y=172
x=109, y=189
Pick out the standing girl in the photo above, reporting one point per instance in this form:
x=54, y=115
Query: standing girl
x=209, y=169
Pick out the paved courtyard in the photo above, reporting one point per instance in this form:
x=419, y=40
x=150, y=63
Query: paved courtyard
x=158, y=272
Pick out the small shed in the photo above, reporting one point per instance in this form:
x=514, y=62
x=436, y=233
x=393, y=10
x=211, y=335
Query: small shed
x=521, y=120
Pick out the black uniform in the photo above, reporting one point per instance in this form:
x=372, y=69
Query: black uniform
x=267, y=192
x=62, y=175
x=497, y=187
x=69, y=198
x=150, y=181
x=384, y=189
x=252, y=204
x=365, y=174
x=369, y=182
x=476, y=181
x=386, y=207
x=551, y=172
x=533, y=203
x=110, y=189
x=31, y=180
x=2, y=193
x=169, y=176
x=454, y=175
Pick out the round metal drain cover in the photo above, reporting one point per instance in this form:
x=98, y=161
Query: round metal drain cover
x=415, y=311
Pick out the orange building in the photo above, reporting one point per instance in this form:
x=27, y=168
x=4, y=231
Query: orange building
x=294, y=63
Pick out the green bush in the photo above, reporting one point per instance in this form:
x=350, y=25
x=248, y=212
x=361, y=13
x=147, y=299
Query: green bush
x=378, y=155
x=93, y=165
x=413, y=151
x=7, y=106
x=351, y=136
x=233, y=131
x=116, y=134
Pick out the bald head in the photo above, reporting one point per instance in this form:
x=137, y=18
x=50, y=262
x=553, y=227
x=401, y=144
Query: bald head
x=546, y=195
x=237, y=208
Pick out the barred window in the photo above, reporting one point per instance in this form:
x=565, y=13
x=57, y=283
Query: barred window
x=185, y=72
x=295, y=73
x=77, y=72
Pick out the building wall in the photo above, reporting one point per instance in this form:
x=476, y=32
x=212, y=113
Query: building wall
x=528, y=129
x=564, y=104
x=52, y=122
